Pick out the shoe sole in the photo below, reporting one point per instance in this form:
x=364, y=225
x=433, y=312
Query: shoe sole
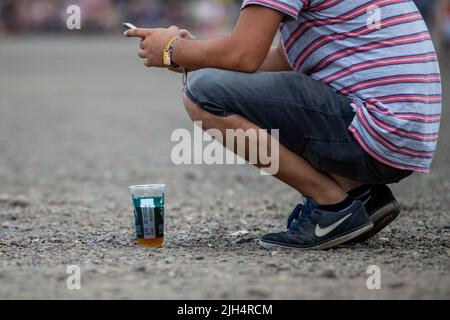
x=381, y=219
x=327, y=245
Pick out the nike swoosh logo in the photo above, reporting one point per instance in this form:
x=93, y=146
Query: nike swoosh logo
x=322, y=232
x=367, y=200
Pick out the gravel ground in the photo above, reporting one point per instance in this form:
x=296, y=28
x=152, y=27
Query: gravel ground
x=80, y=120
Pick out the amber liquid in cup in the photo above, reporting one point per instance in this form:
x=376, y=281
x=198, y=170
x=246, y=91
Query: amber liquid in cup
x=157, y=242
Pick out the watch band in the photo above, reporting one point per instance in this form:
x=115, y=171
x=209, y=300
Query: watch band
x=168, y=52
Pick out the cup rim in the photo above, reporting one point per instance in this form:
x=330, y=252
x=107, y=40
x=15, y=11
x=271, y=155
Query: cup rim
x=153, y=186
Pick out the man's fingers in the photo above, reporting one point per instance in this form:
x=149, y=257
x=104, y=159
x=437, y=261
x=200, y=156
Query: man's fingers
x=173, y=29
x=138, y=33
x=186, y=34
x=147, y=63
x=142, y=54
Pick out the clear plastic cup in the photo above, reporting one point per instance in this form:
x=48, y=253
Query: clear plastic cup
x=148, y=203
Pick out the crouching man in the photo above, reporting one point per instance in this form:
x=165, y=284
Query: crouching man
x=353, y=87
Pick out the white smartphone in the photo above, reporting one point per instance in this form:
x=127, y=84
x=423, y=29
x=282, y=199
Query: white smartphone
x=128, y=26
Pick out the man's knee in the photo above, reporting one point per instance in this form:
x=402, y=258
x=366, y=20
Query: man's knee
x=205, y=90
x=198, y=88
x=202, y=87
x=204, y=84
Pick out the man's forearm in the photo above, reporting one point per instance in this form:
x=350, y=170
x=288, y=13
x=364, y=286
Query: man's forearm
x=223, y=53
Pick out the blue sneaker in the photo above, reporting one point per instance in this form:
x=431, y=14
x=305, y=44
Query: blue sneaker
x=313, y=229
x=382, y=208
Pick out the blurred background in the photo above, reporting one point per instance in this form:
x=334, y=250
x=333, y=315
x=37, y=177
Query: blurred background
x=81, y=118
x=206, y=17
x=203, y=16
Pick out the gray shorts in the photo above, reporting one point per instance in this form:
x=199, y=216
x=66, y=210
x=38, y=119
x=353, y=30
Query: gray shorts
x=312, y=119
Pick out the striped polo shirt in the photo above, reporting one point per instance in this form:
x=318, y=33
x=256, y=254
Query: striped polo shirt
x=379, y=54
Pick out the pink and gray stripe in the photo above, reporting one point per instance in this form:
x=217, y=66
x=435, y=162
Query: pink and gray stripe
x=390, y=71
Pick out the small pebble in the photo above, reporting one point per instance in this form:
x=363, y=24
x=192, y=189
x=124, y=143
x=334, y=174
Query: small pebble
x=139, y=267
x=15, y=201
x=329, y=273
x=190, y=176
x=239, y=233
x=396, y=285
x=258, y=293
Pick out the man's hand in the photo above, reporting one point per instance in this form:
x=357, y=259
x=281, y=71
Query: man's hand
x=153, y=43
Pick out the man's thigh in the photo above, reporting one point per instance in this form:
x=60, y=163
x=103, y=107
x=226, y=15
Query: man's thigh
x=297, y=105
x=312, y=118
